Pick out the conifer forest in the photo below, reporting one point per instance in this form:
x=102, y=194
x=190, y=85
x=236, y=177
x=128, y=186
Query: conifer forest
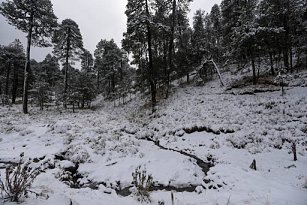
x=190, y=107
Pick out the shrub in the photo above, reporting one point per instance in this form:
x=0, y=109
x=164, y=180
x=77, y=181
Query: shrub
x=142, y=183
x=270, y=105
x=18, y=180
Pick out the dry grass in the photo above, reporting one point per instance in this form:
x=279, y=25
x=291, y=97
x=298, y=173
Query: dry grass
x=17, y=181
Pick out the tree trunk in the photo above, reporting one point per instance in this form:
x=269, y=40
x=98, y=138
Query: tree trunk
x=171, y=47
x=109, y=86
x=272, y=63
x=286, y=59
x=218, y=72
x=298, y=62
x=282, y=86
x=66, y=68
x=291, y=60
x=41, y=104
x=288, y=42
x=83, y=102
x=15, y=84
x=98, y=79
x=113, y=82
x=27, y=66
x=294, y=151
x=7, y=80
x=254, y=68
x=151, y=71
x=165, y=55
x=259, y=67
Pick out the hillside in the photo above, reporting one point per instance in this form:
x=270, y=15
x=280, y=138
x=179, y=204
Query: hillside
x=199, y=145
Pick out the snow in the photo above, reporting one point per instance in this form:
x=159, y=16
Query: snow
x=107, y=144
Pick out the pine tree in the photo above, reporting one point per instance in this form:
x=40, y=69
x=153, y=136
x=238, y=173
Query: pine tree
x=139, y=20
x=11, y=56
x=300, y=39
x=98, y=63
x=68, y=45
x=154, y=29
x=152, y=80
x=178, y=23
x=126, y=76
x=36, y=18
x=2, y=69
x=12, y=61
x=303, y=40
x=46, y=77
x=18, y=63
x=184, y=55
x=109, y=58
x=281, y=25
x=51, y=68
x=231, y=11
x=161, y=36
x=41, y=90
x=86, y=83
x=84, y=88
x=183, y=45
x=245, y=34
x=215, y=19
x=87, y=61
x=198, y=36
x=171, y=42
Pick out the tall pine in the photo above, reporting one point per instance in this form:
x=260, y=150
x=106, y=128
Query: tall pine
x=68, y=46
x=139, y=27
x=36, y=18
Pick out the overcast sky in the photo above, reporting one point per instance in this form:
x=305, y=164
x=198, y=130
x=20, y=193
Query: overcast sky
x=97, y=19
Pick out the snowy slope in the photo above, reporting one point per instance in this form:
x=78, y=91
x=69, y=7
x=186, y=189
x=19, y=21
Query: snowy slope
x=104, y=146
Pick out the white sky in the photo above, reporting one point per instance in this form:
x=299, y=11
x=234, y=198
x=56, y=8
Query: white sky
x=97, y=19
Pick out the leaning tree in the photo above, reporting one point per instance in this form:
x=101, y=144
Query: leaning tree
x=36, y=18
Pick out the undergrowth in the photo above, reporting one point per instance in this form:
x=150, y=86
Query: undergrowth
x=17, y=181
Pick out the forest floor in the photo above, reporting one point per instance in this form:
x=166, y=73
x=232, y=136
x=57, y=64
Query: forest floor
x=198, y=145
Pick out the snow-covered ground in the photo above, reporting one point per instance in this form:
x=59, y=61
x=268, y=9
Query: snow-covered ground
x=104, y=146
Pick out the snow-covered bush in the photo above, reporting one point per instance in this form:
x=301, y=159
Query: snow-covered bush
x=77, y=154
x=270, y=105
x=62, y=126
x=253, y=142
x=17, y=180
x=125, y=147
x=239, y=142
x=69, y=175
x=142, y=183
x=98, y=145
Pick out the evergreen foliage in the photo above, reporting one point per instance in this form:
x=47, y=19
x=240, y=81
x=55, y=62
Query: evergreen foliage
x=159, y=43
x=36, y=18
x=68, y=46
